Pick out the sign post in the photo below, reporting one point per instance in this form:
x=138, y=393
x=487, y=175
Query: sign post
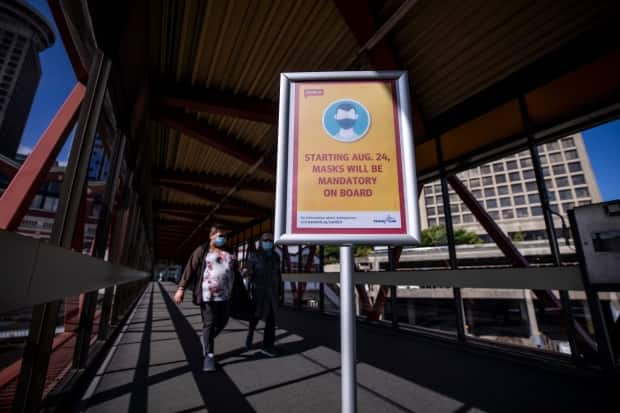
x=346, y=175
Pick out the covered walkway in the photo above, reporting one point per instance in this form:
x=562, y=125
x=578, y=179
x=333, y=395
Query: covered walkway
x=156, y=366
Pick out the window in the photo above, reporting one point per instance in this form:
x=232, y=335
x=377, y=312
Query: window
x=502, y=190
x=528, y=174
x=477, y=193
x=586, y=202
x=430, y=211
x=489, y=192
x=474, y=183
x=454, y=198
x=543, y=159
x=545, y=171
x=559, y=169
x=526, y=163
x=533, y=199
x=437, y=188
x=51, y=204
x=494, y=214
x=486, y=169
x=429, y=200
x=511, y=165
x=431, y=222
x=568, y=142
x=468, y=218
x=574, y=167
x=514, y=176
x=516, y=188
x=582, y=192
x=505, y=202
x=522, y=212
x=578, y=179
x=536, y=211
x=491, y=203
x=438, y=199
x=500, y=179
x=561, y=181
x=565, y=194
x=531, y=186
x=440, y=210
x=551, y=195
x=555, y=157
x=428, y=190
x=487, y=180
x=456, y=219
x=552, y=146
x=498, y=167
x=570, y=155
x=507, y=214
x=567, y=205
x=555, y=208
x=519, y=200
x=548, y=183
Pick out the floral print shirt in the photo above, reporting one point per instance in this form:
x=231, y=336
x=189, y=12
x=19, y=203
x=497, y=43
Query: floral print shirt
x=217, y=280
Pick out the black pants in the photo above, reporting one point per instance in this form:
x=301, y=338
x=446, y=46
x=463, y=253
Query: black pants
x=269, y=336
x=214, y=319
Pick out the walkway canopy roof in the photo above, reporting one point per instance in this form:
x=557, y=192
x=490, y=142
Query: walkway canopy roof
x=195, y=83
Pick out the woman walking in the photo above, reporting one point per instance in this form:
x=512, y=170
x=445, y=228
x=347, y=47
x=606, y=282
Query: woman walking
x=211, y=271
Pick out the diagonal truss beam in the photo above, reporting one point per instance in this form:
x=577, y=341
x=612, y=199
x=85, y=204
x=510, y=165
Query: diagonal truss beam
x=219, y=103
x=358, y=16
x=218, y=181
x=209, y=135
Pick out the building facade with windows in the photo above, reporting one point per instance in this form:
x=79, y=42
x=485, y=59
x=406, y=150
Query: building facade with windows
x=507, y=190
x=23, y=34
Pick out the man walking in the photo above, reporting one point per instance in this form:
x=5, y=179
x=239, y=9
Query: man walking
x=266, y=282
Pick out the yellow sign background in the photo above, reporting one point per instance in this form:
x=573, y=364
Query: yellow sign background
x=379, y=100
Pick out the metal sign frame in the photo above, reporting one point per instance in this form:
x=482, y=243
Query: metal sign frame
x=284, y=232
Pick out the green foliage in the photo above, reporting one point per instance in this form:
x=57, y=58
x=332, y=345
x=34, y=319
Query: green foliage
x=518, y=236
x=332, y=252
x=436, y=235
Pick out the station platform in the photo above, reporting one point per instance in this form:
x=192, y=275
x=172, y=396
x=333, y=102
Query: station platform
x=156, y=366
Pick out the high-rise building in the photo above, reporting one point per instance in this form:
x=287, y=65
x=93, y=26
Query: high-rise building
x=507, y=190
x=23, y=34
x=99, y=163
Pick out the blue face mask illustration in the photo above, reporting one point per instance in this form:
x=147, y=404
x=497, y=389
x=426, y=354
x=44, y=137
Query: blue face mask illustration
x=346, y=123
x=267, y=245
x=220, y=241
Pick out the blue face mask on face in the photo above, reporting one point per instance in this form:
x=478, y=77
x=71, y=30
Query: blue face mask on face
x=219, y=241
x=267, y=245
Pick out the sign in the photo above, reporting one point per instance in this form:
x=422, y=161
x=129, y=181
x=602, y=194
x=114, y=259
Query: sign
x=346, y=169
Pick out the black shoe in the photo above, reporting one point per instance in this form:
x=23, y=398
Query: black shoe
x=269, y=352
x=208, y=364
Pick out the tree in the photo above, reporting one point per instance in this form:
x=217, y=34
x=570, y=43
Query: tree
x=518, y=236
x=436, y=235
x=332, y=252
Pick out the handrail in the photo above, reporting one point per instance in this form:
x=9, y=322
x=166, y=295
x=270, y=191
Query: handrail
x=35, y=272
x=543, y=278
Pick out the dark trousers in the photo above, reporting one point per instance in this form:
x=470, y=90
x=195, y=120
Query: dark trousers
x=269, y=336
x=214, y=319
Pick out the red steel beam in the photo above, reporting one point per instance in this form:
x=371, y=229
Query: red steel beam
x=208, y=135
x=219, y=103
x=26, y=183
x=358, y=16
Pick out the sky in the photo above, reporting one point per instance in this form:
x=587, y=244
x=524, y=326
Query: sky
x=58, y=78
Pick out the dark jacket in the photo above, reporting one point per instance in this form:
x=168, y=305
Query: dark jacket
x=266, y=280
x=192, y=275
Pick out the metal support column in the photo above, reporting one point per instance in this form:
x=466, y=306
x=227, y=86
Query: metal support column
x=447, y=211
x=347, y=332
x=393, y=288
x=33, y=373
x=322, y=285
x=567, y=311
x=82, y=345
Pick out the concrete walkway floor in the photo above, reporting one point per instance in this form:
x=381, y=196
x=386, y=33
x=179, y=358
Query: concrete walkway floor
x=157, y=367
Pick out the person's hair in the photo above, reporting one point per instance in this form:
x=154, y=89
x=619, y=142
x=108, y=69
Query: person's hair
x=214, y=230
x=346, y=107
